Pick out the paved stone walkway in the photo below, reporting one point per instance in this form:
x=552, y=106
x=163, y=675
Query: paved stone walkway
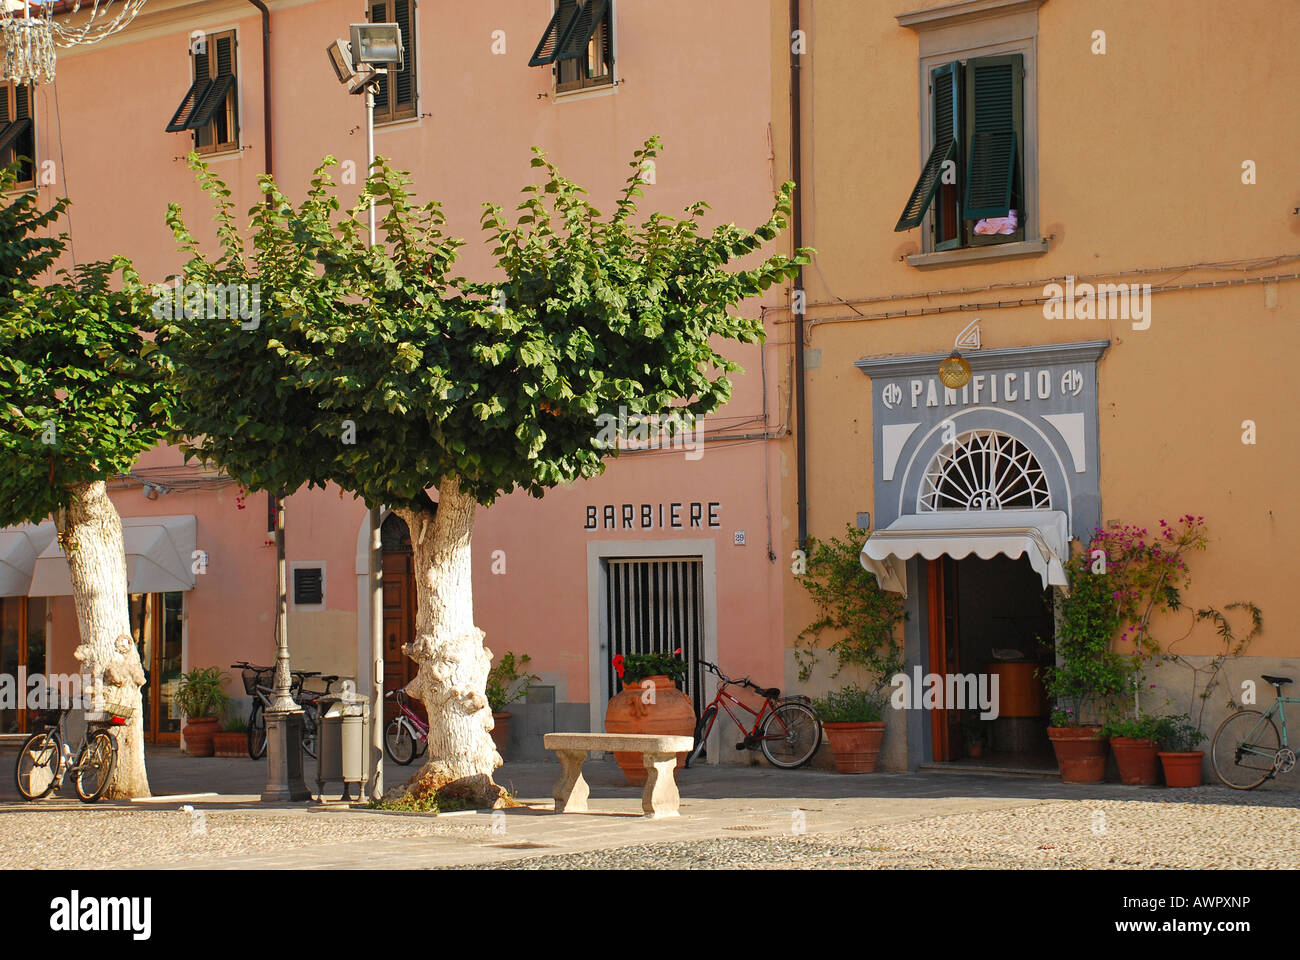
x=731, y=816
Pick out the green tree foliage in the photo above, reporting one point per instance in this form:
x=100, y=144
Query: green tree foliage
x=498, y=383
x=78, y=403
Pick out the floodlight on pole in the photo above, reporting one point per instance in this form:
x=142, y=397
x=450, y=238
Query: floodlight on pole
x=374, y=50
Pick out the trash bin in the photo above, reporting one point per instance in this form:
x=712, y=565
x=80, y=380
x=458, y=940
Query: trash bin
x=343, y=743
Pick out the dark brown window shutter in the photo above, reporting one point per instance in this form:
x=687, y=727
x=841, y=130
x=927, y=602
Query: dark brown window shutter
x=379, y=14
x=308, y=585
x=404, y=82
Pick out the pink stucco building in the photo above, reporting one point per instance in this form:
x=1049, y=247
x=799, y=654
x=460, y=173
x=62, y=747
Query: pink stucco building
x=678, y=546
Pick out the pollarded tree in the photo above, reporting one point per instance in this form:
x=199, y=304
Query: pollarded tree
x=78, y=405
x=479, y=388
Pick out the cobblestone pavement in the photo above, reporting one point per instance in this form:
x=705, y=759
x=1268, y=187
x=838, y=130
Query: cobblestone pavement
x=731, y=817
x=1072, y=834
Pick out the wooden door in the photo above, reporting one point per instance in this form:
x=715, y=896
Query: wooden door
x=399, y=624
x=945, y=725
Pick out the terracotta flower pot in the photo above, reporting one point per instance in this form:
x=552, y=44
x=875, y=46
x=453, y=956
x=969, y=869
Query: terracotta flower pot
x=198, y=735
x=1136, y=759
x=230, y=743
x=1080, y=753
x=1182, y=769
x=856, y=746
x=501, y=732
x=671, y=714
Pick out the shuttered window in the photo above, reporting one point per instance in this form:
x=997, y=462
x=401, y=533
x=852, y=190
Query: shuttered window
x=308, y=586
x=579, y=43
x=210, y=107
x=975, y=169
x=401, y=102
x=656, y=606
x=18, y=131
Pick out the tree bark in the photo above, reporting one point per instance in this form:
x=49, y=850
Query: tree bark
x=453, y=663
x=90, y=532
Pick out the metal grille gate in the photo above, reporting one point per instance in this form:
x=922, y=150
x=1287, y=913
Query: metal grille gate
x=656, y=606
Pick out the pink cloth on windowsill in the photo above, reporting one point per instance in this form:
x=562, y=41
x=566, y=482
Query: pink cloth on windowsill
x=997, y=225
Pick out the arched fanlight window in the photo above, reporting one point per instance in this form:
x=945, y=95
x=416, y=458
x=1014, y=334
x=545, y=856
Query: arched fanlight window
x=984, y=470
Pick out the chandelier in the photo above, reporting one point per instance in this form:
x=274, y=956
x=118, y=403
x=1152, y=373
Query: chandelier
x=29, y=32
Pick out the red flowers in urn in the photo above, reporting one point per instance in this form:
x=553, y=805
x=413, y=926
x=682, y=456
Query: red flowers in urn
x=649, y=703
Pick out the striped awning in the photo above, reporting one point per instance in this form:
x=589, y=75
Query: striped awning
x=159, y=558
x=1042, y=536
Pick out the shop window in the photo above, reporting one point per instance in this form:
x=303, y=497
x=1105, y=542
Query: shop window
x=18, y=131
x=973, y=178
x=578, y=44
x=22, y=655
x=157, y=622
x=400, y=102
x=657, y=606
x=210, y=107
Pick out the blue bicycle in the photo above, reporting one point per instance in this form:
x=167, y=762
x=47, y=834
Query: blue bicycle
x=1248, y=747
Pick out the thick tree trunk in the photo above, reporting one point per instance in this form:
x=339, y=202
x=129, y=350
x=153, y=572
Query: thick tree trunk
x=453, y=663
x=90, y=532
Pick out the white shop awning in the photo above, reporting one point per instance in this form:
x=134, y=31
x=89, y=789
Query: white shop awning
x=1040, y=535
x=159, y=558
x=19, y=548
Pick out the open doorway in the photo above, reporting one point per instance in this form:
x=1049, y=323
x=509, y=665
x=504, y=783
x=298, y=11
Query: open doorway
x=991, y=619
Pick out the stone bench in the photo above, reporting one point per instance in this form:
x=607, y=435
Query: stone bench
x=660, y=797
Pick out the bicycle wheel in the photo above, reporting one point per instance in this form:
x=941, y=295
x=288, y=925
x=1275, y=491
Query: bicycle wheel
x=37, y=766
x=702, y=728
x=791, y=735
x=94, y=769
x=399, y=742
x=1232, y=752
x=257, y=732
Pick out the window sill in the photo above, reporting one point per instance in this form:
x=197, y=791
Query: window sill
x=412, y=121
x=585, y=93
x=982, y=254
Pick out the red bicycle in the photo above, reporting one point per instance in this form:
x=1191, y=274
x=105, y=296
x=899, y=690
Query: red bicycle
x=786, y=729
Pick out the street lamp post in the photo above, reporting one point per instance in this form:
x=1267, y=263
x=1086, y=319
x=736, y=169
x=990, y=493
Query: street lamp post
x=373, y=52
x=284, y=779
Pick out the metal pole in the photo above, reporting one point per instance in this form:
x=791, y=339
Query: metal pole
x=376, y=554
x=284, y=702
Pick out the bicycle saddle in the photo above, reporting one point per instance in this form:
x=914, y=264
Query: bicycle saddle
x=772, y=692
x=1276, y=681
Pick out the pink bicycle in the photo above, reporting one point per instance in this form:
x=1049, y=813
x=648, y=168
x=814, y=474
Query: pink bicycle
x=407, y=736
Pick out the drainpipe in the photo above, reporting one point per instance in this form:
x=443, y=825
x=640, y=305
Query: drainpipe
x=796, y=174
x=266, y=80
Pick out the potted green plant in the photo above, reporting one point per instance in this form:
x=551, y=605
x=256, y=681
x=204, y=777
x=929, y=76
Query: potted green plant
x=1088, y=675
x=1181, y=761
x=650, y=702
x=202, y=701
x=853, y=718
x=507, y=682
x=975, y=733
x=232, y=739
x=1134, y=743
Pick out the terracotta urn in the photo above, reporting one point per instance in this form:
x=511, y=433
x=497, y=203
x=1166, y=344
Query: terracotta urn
x=198, y=735
x=501, y=731
x=855, y=746
x=669, y=712
x=230, y=743
x=1080, y=753
x=1182, y=769
x=1136, y=759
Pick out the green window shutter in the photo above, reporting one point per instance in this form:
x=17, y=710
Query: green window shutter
x=995, y=127
x=213, y=97
x=584, y=25
x=555, y=33
x=404, y=81
x=10, y=134
x=945, y=90
x=193, y=96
